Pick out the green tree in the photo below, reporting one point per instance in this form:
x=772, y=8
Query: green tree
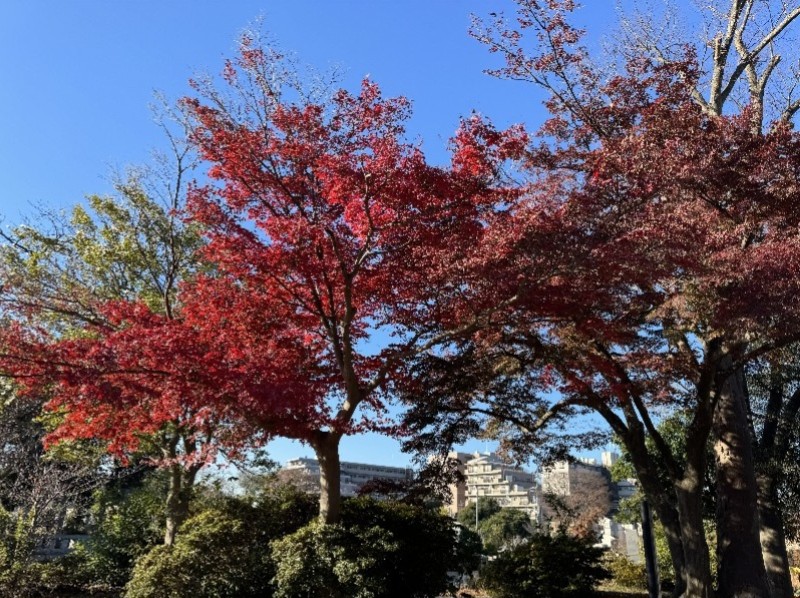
x=382, y=549
x=486, y=508
x=222, y=550
x=131, y=246
x=504, y=529
x=557, y=566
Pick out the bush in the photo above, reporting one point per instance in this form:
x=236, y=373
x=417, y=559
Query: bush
x=558, y=566
x=504, y=529
x=128, y=522
x=626, y=573
x=331, y=561
x=16, y=553
x=223, y=551
x=429, y=545
x=382, y=549
x=212, y=557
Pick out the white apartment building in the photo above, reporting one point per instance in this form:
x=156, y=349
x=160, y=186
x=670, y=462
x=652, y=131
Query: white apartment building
x=488, y=476
x=353, y=475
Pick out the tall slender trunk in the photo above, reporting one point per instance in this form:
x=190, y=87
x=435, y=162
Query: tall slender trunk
x=741, y=572
x=179, y=496
x=769, y=451
x=326, y=447
x=670, y=521
x=697, y=565
x=773, y=539
x=664, y=508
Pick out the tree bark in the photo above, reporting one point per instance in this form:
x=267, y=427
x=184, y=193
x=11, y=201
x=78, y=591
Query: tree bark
x=179, y=496
x=697, y=565
x=769, y=452
x=741, y=572
x=672, y=530
x=773, y=541
x=326, y=446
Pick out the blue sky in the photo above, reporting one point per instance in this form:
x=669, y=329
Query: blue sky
x=76, y=79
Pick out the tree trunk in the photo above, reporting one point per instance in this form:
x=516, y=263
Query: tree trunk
x=326, y=446
x=672, y=530
x=769, y=452
x=741, y=572
x=773, y=540
x=697, y=565
x=179, y=496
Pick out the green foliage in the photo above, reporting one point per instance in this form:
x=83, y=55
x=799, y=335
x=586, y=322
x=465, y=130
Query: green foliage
x=625, y=573
x=213, y=557
x=382, y=549
x=673, y=430
x=428, y=545
x=222, y=551
x=16, y=552
x=332, y=561
x=129, y=522
x=557, y=566
x=503, y=529
x=486, y=508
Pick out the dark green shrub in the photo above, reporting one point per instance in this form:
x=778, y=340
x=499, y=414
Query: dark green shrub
x=223, y=552
x=486, y=508
x=558, y=566
x=213, y=557
x=127, y=524
x=504, y=529
x=332, y=561
x=382, y=549
x=428, y=545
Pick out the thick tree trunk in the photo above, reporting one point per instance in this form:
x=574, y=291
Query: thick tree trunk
x=741, y=572
x=179, y=495
x=773, y=540
x=326, y=446
x=697, y=566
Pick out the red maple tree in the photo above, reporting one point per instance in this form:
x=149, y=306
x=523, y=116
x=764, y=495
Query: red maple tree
x=654, y=255
x=334, y=243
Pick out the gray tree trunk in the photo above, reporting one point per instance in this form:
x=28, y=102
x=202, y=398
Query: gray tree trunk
x=741, y=572
x=179, y=495
x=326, y=446
x=773, y=543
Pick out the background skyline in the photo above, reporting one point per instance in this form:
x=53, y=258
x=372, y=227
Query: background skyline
x=76, y=80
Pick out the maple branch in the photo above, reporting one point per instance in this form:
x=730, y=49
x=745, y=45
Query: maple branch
x=523, y=424
x=641, y=409
x=790, y=110
x=722, y=46
x=748, y=56
x=411, y=348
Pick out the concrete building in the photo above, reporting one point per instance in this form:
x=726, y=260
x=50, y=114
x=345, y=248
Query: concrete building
x=562, y=478
x=623, y=538
x=353, y=475
x=458, y=491
x=488, y=476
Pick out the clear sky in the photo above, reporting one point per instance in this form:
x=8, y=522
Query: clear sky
x=77, y=76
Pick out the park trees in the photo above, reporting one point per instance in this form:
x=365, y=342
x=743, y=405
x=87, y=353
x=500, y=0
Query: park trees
x=334, y=244
x=73, y=286
x=656, y=256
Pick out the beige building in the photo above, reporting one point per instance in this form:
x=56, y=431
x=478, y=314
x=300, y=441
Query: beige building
x=564, y=478
x=488, y=476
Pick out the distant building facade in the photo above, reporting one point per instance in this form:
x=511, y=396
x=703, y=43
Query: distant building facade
x=562, y=478
x=488, y=476
x=353, y=475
